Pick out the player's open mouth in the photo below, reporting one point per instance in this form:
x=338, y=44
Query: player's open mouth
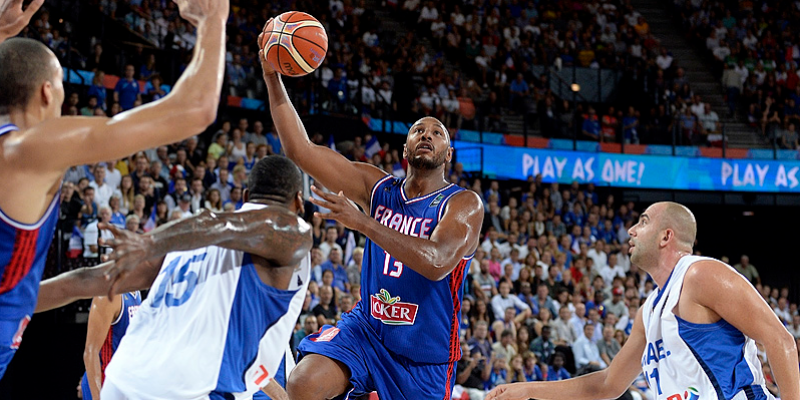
x=632, y=245
x=425, y=146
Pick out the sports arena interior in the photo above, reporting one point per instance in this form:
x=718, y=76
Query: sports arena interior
x=568, y=118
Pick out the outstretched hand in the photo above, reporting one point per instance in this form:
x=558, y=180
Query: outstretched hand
x=136, y=261
x=342, y=209
x=13, y=18
x=262, y=56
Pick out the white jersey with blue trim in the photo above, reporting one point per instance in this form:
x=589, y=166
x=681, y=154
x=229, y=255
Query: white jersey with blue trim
x=209, y=329
x=688, y=361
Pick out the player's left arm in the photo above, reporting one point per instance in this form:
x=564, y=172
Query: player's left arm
x=13, y=19
x=275, y=391
x=85, y=283
x=738, y=303
x=455, y=236
x=102, y=314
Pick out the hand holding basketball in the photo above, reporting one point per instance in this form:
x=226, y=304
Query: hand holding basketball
x=13, y=18
x=197, y=11
x=294, y=44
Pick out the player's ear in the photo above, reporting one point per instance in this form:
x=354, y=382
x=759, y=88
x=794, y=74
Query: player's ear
x=300, y=203
x=405, y=152
x=246, y=195
x=450, y=152
x=46, y=91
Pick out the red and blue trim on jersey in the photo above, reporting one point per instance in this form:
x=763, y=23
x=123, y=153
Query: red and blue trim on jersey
x=23, y=251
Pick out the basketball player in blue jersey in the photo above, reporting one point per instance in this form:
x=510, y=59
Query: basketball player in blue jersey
x=37, y=145
x=402, y=339
x=109, y=318
x=695, y=337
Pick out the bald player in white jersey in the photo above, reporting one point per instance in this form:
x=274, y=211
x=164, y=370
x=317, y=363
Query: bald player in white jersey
x=694, y=338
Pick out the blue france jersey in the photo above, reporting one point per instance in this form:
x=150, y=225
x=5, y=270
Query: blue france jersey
x=23, y=251
x=130, y=304
x=403, y=307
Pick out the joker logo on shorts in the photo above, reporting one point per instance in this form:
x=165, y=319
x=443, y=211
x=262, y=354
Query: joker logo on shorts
x=391, y=311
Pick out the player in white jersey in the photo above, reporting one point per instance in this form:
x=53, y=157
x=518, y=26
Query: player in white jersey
x=216, y=321
x=695, y=337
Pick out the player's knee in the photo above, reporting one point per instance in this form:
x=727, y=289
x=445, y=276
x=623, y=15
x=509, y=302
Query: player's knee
x=304, y=383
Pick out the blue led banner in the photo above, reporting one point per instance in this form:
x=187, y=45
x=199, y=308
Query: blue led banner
x=625, y=170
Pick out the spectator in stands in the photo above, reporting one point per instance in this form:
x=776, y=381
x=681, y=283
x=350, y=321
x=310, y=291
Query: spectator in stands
x=334, y=264
x=127, y=91
x=480, y=341
x=543, y=345
x=132, y=223
x=102, y=191
x=586, y=352
x=325, y=311
x=504, y=299
x=748, y=270
x=471, y=371
x=88, y=211
x=504, y=348
x=608, y=346
x=310, y=325
x=562, y=330
x=556, y=370
x=92, y=233
x=591, y=125
x=789, y=137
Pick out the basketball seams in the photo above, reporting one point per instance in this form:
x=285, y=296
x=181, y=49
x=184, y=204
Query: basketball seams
x=301, y=57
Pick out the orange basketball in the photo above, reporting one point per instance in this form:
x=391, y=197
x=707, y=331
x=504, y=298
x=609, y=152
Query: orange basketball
x=294, y=43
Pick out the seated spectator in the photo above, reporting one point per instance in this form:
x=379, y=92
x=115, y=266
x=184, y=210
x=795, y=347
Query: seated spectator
x=748, y=270
x=325, y=311
x=563, y=332
x=504, y=299
x=504, y=348
x=334, y=264
x=480, y=341
x=543, y=346
x=586, y=351
x=608, y=346
x=91, y=234
x=499, y=374
x=471, y=371
x=556, y=370
x=789, y=138
x=310, y=325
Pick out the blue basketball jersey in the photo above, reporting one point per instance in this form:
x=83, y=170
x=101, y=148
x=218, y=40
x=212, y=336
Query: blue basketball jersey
x=130, y=304
x=23, y=251
x=403, y=307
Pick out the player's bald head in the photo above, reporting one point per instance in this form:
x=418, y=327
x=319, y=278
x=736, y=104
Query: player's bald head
x=679, y=219
x=433, y=120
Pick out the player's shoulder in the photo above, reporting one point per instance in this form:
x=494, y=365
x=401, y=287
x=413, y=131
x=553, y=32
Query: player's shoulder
x=704, y=268
x=467, y=199
x=708, y=275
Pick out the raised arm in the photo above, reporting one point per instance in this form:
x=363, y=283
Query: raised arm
x=102, y=314
x=329, y=168
x=609, y=383
x=455, y=236
x=186, y=111
x=272, y=233
x=736, y=301
x=13, y=18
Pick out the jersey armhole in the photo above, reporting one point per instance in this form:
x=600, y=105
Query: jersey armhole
x=443, y=205
x=375, y=189
x=121, y=310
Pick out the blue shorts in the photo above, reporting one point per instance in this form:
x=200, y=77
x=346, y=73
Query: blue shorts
x=10, y=339
x=373, y=368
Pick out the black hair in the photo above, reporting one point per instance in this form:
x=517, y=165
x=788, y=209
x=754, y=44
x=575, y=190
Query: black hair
x=275, y=178
x=25, y=65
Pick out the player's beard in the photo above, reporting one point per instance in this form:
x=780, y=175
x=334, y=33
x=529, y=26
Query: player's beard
x=427, y=163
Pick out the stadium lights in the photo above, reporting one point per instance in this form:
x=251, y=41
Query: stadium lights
x=575, y=87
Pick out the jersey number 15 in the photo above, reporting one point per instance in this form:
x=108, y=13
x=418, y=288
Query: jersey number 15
x=398, y=267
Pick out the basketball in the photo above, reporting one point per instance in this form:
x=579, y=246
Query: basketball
x=294, y=43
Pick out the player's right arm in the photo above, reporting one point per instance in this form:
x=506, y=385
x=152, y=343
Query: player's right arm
x=273, y=233
x=326, y=166
x=609, y=383
x=102, y=314
x=187, y=110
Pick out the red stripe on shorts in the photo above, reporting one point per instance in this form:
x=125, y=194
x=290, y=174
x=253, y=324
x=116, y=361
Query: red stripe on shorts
x=22, y=257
